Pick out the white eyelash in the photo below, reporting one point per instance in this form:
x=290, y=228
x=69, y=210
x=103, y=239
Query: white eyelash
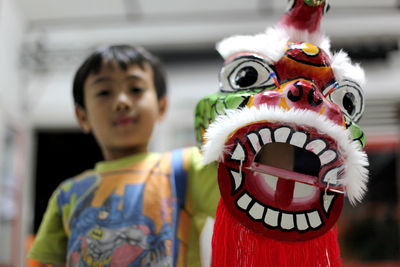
x=345, y=70
x=272, y=44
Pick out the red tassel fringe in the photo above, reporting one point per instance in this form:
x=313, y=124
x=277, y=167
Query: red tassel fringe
x=234, y=245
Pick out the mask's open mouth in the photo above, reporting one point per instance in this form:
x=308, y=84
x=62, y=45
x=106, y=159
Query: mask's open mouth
x=289, y=157
x=283, y=165
x=280, y=173
x=289, y=173
x=286, y=173
x=288, y=161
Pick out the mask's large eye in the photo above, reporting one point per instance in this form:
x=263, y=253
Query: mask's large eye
x=244, y=73
x=349, y=97
x=327, y=7
x=291, y=4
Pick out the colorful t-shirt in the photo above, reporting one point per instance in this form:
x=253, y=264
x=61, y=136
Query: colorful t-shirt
x=127, y=213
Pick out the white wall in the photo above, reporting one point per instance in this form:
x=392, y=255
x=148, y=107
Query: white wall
x=383, y=77
x=51, y=102
x=188, y=83
x=11, y=33
x=11, y=94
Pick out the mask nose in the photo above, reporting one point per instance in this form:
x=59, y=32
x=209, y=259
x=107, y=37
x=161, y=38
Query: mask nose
x=299, y=94
x=303, y=94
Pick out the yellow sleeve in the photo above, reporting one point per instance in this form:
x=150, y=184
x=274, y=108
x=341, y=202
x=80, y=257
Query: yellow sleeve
x=204, y=196
x=50, y=244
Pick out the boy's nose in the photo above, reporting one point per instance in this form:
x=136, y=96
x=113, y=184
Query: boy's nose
x=123, y=103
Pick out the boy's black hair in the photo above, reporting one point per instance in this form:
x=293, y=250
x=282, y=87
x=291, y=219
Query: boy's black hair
x=124, y=55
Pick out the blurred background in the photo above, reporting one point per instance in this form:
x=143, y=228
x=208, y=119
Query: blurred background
x=42, y=42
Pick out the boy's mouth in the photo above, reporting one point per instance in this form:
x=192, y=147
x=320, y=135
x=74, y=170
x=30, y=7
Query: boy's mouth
x=125, y=120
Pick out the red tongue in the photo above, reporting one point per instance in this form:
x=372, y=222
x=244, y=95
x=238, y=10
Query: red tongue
x=280, y=155
x=284, y=193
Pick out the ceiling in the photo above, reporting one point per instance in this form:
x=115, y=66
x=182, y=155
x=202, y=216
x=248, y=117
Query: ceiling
x=49, y=10
x=190, y=24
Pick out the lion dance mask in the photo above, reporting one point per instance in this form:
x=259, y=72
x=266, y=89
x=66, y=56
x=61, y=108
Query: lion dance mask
x=282, y=128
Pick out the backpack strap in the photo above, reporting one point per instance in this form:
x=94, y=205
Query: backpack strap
x=178, y=179
x=180, y=176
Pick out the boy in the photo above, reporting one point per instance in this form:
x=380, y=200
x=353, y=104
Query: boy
x=132, y=209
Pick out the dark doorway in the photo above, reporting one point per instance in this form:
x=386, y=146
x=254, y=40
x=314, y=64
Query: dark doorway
x=370, y=232
x=60, y=155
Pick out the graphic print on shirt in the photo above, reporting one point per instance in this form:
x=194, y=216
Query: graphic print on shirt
x=121, y=221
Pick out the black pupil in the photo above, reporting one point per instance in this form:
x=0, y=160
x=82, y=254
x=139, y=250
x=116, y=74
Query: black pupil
x=246, y=76
x=328, y=7
x=348, y=103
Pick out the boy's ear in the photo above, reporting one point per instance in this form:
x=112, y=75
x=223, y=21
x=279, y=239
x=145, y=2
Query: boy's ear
x=82, y=118
x=162, y=107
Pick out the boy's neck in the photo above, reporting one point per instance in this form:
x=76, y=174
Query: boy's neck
x=114, y=154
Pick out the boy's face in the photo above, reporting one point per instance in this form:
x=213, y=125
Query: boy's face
x=121, y=109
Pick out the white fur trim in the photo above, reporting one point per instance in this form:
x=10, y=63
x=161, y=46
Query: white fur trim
x=355, y=175
x=271, y=44
x=345, y=70
x=326, y=45
x=205, y=242
x=296, y=35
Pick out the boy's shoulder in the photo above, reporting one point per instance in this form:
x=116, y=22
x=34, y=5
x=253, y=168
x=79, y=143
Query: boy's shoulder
x=81, y=181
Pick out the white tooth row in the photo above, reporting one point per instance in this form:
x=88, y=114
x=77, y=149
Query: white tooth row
x=237, y=179
x=275, y=218
x=318, y=146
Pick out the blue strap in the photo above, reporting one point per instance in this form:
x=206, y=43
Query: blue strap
x=180, y=176
x=178, y=185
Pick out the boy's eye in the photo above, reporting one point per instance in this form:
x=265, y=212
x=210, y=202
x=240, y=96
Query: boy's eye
x=137, y=90
x=104, y=92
